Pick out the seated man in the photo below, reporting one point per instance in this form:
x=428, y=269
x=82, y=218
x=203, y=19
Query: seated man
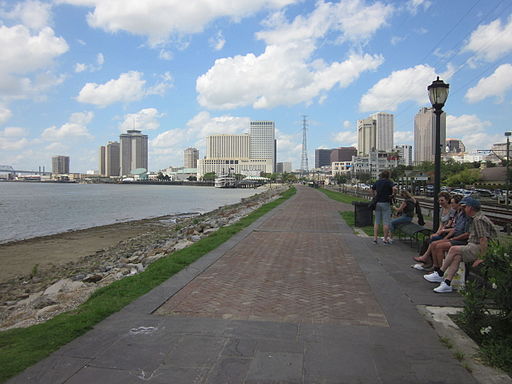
x=480, y=232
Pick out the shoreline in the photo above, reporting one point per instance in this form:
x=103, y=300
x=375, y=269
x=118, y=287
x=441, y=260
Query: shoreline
x=52, y=274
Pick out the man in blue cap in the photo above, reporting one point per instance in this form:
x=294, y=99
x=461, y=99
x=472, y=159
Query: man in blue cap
x=480, y=232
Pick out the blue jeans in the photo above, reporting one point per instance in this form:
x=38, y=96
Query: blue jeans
x=400, y=220
x=382, y=213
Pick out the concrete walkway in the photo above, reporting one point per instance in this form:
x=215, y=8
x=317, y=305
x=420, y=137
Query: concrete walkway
x=295, y=298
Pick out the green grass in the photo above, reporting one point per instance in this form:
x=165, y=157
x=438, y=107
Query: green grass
x=341, y=197
x=23, y=347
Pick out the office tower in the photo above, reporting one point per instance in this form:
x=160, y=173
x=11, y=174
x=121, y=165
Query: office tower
x=134, y=151
x=425, y=135
x=284, y=167
x=455, y=146
x=366, y=136
x=191, y=155
x=112, y=158
x=102, y=168
x=60, y=165
x=262, y=141
x=405, y=154
x=375, y=133
x=322, y=157
x=342, y=154
x=227, y=146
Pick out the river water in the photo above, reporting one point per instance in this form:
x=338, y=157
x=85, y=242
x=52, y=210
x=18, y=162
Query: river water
x=36, y=209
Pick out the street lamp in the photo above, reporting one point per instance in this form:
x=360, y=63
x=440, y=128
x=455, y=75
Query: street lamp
x=507, y=134
x=437, y=93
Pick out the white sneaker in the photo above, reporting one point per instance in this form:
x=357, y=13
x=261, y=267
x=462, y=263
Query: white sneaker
x=443, y=288
x=433, y=277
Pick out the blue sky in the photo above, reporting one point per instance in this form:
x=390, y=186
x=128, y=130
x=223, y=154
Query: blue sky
x=74, y=74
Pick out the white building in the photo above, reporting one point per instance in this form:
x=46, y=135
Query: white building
x=247, y=167
x=375, y=133
x=405, y=154
x=374, y=163
x=341, y=168
x=134, y=151
x=263, y=141
x=190, y=157
x=227, y=146
x=425, y=135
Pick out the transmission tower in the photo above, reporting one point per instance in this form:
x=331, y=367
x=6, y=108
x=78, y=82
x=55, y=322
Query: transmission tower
x=304, y=159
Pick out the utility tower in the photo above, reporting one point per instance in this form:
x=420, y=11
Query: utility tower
x=304, y=159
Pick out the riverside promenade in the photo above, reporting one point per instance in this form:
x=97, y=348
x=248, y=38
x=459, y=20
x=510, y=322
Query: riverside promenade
x=297, y=297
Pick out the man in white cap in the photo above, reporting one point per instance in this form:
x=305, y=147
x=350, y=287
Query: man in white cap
x=480, y=232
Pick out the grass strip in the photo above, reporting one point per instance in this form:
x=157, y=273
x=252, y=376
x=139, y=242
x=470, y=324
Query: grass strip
x=341, y=197
x=23, y=347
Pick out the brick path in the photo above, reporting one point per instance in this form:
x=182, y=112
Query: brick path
x=294, y=267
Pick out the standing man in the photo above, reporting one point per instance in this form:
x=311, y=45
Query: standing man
x=480, y=232
x=383, y=190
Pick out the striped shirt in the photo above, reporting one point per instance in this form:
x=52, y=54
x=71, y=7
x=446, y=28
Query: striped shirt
x=480, y=227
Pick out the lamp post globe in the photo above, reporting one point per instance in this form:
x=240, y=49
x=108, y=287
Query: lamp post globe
x=437, y=93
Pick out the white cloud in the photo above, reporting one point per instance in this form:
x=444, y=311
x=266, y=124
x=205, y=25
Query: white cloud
x=13, y=132
x=24, y=54
x=217, y=42
x=5, y=114
x=473, y=132
x=400, y=86
x=165, y=54
x=31, y=13
x=347, y=124
x=279, y=76
x=492, y=41
x=100, y=60
x=75, y=128
x=348, y=138
x=128, y=87
x=496, y=84
x=403, y=137
x=160, y=19
x=353, y=20
x=413, y=5
x=146, y=120
x=7, y=144
x=397, y=39
x=79, y=67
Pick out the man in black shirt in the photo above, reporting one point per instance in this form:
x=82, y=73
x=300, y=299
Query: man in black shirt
x=383, y=189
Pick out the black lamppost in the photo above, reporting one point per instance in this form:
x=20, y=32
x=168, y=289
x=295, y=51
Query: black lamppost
x=507, y=134
x=437, y=93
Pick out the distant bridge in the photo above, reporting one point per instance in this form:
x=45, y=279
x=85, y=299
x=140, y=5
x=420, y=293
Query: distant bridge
x=9, y=169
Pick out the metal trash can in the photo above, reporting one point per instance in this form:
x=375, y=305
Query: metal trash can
x=363, y=215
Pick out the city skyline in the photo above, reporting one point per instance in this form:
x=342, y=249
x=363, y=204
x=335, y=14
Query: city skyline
x=78, y=75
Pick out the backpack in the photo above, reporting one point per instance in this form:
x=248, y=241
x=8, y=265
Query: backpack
x=421, y=220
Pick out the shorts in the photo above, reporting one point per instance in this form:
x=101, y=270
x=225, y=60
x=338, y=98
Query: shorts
x=383, y=213
x=470, y=252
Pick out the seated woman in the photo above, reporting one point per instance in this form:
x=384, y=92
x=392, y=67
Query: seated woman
x=405, y=211
x=447, y=214
x=457, y=235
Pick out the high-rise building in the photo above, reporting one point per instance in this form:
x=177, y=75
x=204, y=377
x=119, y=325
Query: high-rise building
x=342, y=154
x=455, y=146
x=134, y=151
x=283, y=167
x=425, y=135
x=191, y=155
x=375, y=133
x=227, y=146
x=322, y=157
x=405, y=154
x=60, y=165
x=102, y=168
x=263, y=141
x=112, y=159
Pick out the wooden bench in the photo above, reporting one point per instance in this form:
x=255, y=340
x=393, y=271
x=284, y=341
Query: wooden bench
x=414, y=232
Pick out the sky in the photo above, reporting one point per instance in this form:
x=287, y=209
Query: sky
x=75, y=74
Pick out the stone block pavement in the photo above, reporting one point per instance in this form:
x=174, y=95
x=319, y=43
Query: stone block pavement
x=295, y=298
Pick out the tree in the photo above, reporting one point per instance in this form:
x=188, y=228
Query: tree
x=160, y=176
x=463, y=178
x=210, y=176
x=364, y=177
x=340, y=179
x=192, y=178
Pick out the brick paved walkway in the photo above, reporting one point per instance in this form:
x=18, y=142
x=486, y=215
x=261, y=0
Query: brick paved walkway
x=294, y=267
x=295, y=298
